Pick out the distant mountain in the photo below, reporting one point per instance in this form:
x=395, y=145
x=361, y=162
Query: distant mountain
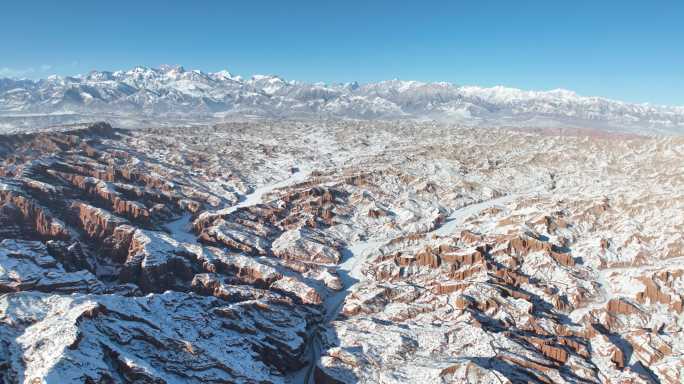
x=171, y=93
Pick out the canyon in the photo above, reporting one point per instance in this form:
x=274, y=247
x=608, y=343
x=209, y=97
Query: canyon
x=340, y=251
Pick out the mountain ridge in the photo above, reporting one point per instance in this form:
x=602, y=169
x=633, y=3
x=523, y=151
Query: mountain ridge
x=171, y=92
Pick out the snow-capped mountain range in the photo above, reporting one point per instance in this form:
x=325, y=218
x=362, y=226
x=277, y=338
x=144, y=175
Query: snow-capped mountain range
x=172, y=93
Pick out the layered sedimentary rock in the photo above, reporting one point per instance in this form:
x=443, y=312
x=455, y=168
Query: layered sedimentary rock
x=170, y=337
x=340, y=252
x=104, y=279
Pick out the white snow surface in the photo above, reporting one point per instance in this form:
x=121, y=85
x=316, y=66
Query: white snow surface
x=173, y=94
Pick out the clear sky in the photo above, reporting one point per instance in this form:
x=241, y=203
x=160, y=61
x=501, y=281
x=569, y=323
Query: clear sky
x=624, y=49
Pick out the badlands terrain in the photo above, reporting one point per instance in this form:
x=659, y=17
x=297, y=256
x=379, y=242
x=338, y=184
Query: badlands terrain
x=341, y=252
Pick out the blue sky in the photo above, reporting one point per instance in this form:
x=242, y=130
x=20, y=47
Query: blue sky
x=629, y=50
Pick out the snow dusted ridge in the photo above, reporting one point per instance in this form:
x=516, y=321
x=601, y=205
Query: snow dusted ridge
x=171, y=94
x=341, y=251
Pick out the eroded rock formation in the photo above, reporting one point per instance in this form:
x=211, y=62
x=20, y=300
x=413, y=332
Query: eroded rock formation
x=340, y=252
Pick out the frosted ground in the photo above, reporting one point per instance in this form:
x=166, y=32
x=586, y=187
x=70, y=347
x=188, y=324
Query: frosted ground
x=341, y=252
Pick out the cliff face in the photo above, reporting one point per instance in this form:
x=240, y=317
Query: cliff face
x=340, y=252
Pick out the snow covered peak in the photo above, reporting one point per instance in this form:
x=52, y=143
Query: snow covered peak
x=501, y=94
x=99, y=76
x=172, y=68
x=139, y=70
x=224, y=75
x=269, y=84
x=192, y=94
